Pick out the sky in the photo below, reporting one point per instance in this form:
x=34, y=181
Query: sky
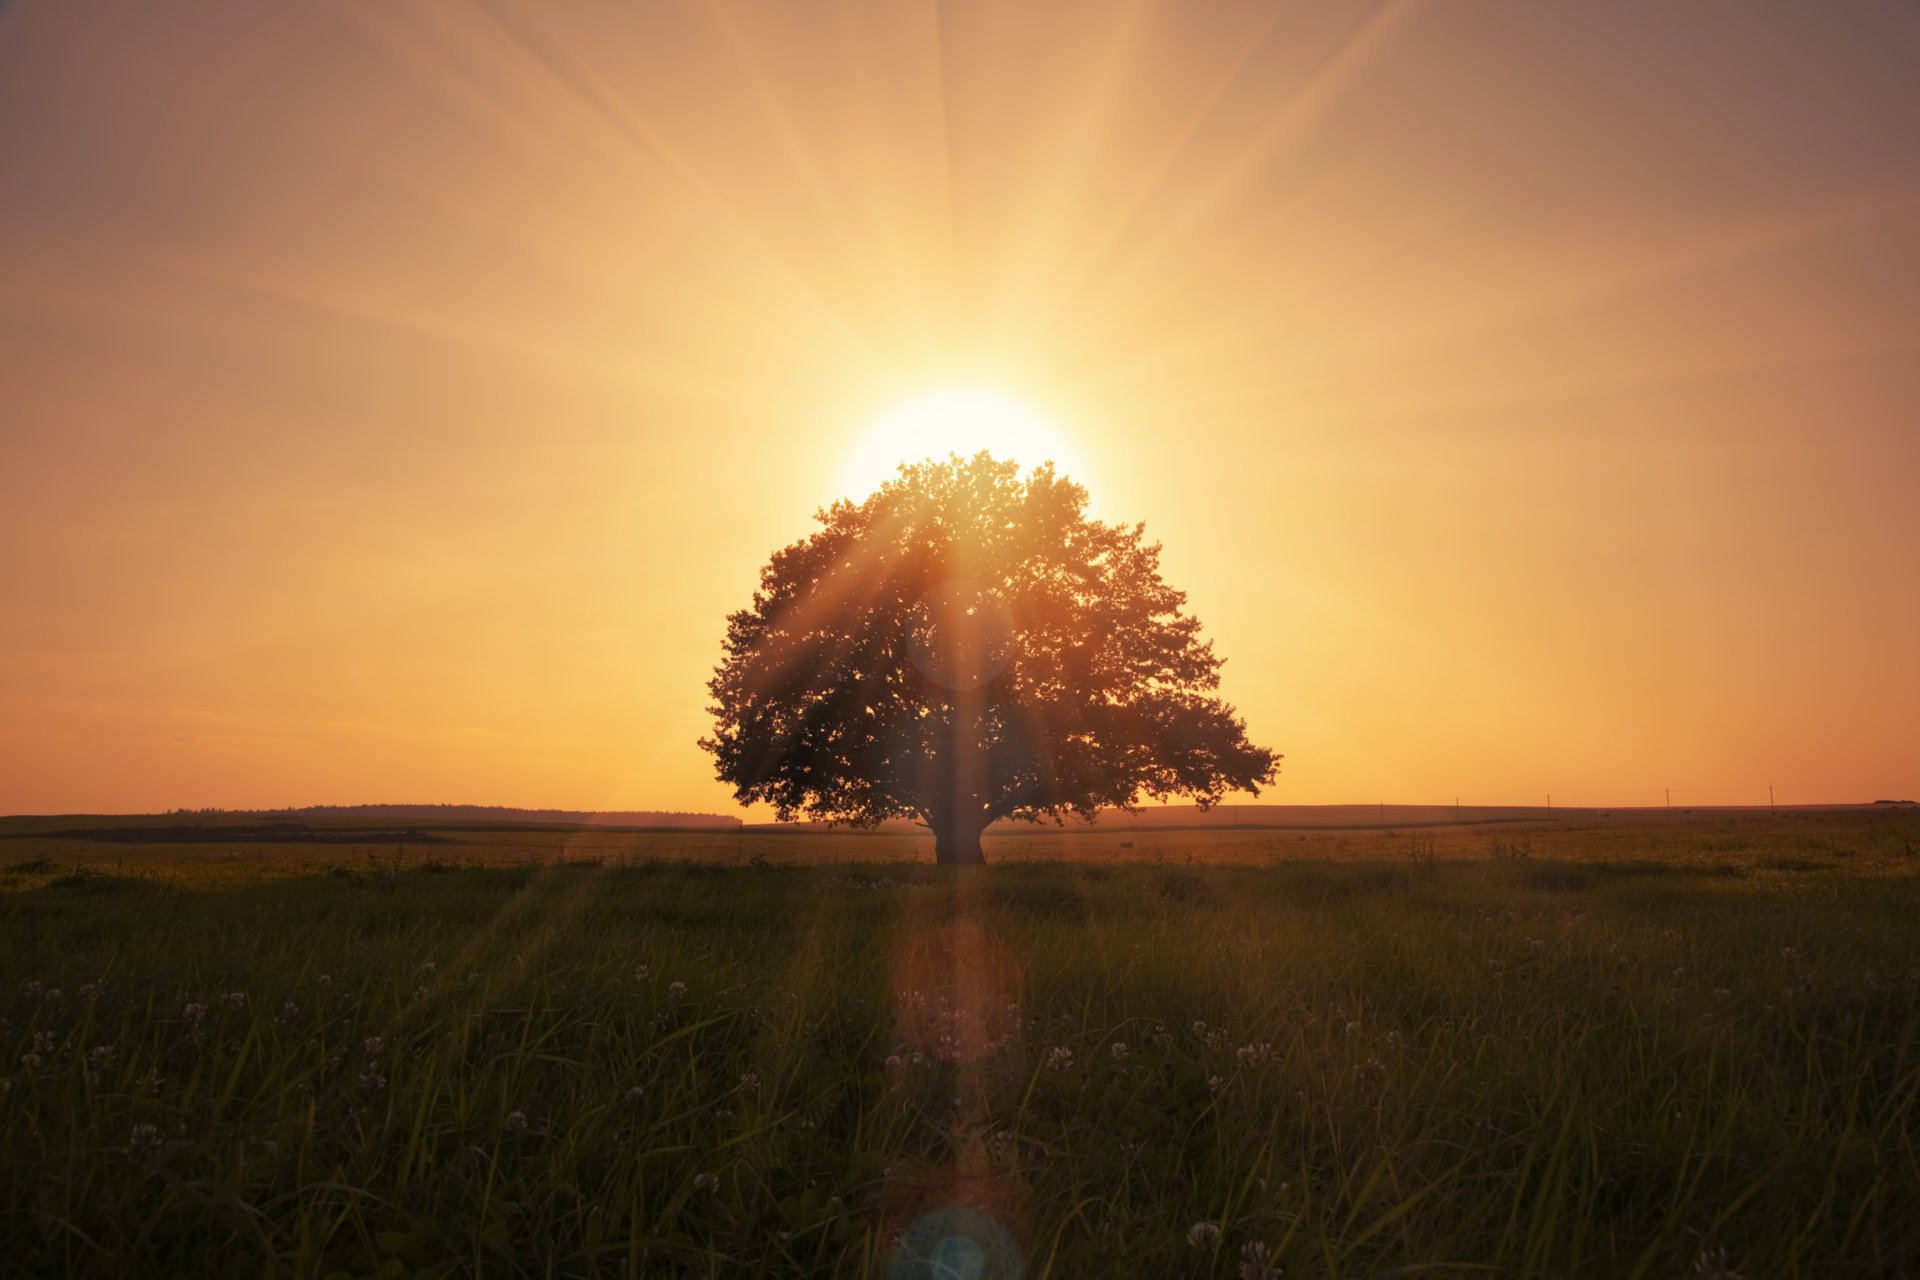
x=395, y=398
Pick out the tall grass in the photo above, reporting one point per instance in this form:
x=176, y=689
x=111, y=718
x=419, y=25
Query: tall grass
x=1517, y=1067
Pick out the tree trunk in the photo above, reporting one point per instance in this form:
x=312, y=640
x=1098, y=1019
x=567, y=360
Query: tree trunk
x=956, y=843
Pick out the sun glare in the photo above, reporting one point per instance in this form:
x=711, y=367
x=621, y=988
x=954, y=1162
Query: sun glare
x=962, y=420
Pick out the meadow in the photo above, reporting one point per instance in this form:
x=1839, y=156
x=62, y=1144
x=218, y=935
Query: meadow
x=1590, y=1047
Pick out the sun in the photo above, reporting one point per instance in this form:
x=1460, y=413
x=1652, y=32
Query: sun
x=962, y=420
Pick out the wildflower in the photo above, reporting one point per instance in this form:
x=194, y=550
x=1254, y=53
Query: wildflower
x=152, y=1083
x=517, y=1121
x=1059, y=1058
x=31, y=1061
x=1119, y=1050
x=1200, y=1029
x=195, y=1013
x=52, y=995
x=420, y=993
x=635, y=1094
x=289, y=1011
x=31, y=990
x=91, y=990
x=893, y=1062
x=371, y=1081
x=1215, y=1084
x=1000, y=1144
x=100, y=1057
x=43, y=1042
x=373, y=1045
x=429, y=968
x=642, y=974
x=675, y=990
x=749, y=1081
x=706, y=1182
x=145, y=1137
x=1256, y=1261
x=326, y=979
x=1253, y=1055
x=236, y=1000
x=1204, y=1235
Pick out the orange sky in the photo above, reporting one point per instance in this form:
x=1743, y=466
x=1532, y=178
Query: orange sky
x=397, y=397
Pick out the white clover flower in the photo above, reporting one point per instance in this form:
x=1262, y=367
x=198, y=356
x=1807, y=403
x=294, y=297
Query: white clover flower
x=1215, y=1084
x=517, y=1121
x=893, y=1062
x=1118, y=1049
x=1256, y=1261
x=371, y=1081
x=642, y=974
x=43, y=1042
x=100, y=1057
x=326, y=979
x=145, y=1137
x=236, y=1000
x=373, y=1045
x=635, y=1094
x=706, y=1182
x=195, y=1013
x=675, y=990
x=1253, y=1055
x=429, y=968
x=1059, y=1058
x=750, y=1081
x=1203, y=1235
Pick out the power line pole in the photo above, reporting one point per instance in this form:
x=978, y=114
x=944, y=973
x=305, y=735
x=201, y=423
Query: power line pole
x=1769, y=797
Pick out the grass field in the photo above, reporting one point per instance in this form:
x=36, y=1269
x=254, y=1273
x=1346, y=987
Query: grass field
x=1581, y=1048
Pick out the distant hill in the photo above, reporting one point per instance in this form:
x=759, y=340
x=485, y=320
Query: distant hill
x=498, y=813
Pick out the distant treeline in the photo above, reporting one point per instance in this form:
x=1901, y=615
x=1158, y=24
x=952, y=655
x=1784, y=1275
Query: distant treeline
x=492, y=813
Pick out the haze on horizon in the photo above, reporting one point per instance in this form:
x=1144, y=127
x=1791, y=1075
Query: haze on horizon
x=398, y=399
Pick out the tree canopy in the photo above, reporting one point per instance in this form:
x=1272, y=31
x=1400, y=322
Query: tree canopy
x=967, y=644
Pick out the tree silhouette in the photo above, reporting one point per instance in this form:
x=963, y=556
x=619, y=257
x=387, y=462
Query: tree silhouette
x=967, y=645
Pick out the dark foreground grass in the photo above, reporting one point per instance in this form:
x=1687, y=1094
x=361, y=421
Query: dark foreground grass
x=1512, y=1067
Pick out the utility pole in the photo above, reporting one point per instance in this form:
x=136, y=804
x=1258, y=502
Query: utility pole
x=1769, y=797
x=1456, y=811
x=1549, y=804
x=1383, y=813
x=1669, y=799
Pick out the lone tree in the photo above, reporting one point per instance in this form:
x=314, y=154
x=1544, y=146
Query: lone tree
x=967, y=645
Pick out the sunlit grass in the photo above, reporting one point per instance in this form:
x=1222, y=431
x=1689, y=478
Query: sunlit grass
x=1618, y=1066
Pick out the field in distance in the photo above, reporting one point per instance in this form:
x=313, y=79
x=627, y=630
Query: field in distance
x=229, y=848
x=1580, y=1048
